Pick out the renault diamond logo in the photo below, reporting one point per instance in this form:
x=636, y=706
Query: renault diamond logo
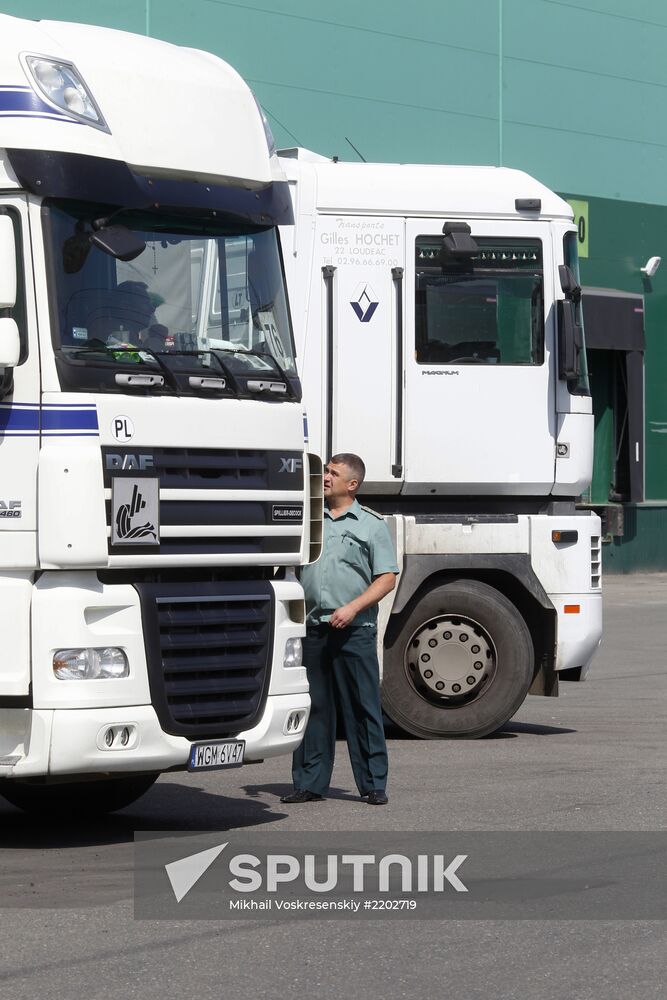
x=365, y=303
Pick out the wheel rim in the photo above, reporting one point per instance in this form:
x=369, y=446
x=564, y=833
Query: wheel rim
x=450, y=660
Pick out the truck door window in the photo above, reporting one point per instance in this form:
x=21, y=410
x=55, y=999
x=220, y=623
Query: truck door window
x=483, y=310
x=18, y=310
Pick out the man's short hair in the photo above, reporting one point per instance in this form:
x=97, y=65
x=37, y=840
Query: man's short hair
x=354, y=464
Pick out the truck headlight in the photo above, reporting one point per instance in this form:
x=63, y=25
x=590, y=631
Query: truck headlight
x=62, y=85
x=90, y=664
x=293, y=653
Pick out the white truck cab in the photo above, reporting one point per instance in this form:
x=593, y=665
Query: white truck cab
x=438, y=328
x=155, y=496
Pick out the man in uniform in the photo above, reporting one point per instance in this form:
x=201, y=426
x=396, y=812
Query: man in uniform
x=357, y=568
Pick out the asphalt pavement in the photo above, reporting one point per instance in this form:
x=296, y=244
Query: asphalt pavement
x=592, y=760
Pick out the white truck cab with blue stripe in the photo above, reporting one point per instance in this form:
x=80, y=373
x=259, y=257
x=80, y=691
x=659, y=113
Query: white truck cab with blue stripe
x=155, y=490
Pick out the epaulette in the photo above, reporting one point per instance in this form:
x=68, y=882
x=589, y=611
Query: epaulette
x=369, y=510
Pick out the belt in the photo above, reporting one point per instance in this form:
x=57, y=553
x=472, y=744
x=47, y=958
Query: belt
x=325, y=626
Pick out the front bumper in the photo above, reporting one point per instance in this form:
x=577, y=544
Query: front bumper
x=579, y=635
x=71, y=741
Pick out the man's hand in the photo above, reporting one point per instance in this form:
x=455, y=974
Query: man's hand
x=342, y=617
x=345, y=615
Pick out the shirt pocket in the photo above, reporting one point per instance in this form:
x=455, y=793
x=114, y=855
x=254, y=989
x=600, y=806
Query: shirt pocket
x=355, y=552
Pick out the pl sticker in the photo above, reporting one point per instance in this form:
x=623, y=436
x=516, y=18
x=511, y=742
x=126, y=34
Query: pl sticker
x=122, y=428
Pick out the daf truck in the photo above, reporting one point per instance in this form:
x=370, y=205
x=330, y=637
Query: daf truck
x=156, y=496
x=438, y=325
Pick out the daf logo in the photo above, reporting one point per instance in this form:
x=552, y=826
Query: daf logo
x=129, y=463
x=10, y=508
x=290, y=465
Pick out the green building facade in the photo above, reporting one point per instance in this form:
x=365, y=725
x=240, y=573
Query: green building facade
x=571, y=91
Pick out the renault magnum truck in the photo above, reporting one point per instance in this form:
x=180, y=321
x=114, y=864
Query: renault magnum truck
x=155, y=491
x=437, y=317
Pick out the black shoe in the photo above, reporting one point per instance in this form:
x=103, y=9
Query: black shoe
x=301, y=795
x=376, y=797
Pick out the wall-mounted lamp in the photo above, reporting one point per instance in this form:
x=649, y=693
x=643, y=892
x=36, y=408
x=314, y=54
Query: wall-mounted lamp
x=651, y=266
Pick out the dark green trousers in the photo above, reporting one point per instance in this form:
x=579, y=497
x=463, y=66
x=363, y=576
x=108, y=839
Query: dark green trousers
x=342, y=665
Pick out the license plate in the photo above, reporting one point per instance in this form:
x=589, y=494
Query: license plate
x=218, y=753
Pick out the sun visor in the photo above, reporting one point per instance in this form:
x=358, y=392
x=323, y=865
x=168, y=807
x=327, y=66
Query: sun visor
x=51, y=174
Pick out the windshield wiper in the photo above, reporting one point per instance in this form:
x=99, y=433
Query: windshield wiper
x=241, y=351
x=259, y=354
x=281, y=371
x=268, y=381
x=138, y=378
x=226, y=370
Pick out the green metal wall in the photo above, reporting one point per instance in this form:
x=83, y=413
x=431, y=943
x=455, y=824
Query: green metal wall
x=572, y=91
x=642, y=547
x=621, y=238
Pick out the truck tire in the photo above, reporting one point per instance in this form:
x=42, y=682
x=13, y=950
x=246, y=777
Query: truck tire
x=460, y=664
x=79, y=798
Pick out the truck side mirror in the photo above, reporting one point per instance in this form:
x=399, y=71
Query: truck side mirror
x=7, y=263
x=10, y=343
x=457, y=241
x=569, y=283
x=570, y=332
x=118, y=241
x=570, y=340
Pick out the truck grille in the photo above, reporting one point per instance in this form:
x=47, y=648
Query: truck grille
x=200, y=468
x=214, y=502
x=207, y=468
x=209, y=653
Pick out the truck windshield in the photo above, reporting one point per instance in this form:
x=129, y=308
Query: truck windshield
x=194, y=298
x=484, y=310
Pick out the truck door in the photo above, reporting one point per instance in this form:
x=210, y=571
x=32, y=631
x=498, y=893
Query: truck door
x=361, y=286
x=20, y=410
x=19, y=449
x=479, y=390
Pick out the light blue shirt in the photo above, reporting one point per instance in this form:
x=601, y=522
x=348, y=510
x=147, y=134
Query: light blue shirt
x=356, y=548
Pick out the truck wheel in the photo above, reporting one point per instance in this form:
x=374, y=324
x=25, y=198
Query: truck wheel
x=80, y=798
x=461, y=664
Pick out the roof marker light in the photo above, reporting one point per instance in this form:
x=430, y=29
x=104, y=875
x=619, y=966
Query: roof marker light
x=63, y=86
